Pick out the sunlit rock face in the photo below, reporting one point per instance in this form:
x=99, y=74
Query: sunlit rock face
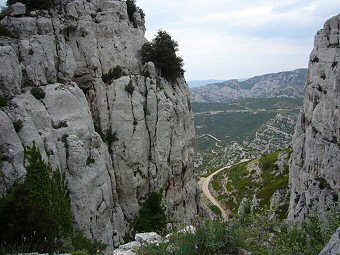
x=114, y=146
x=315, y=165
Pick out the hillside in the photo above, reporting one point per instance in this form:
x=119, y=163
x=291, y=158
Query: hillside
x=283, y=84
x=248, y=128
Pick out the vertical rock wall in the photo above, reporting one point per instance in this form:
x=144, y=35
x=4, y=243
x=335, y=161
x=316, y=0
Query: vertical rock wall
x=315, y=165
x=114, y=147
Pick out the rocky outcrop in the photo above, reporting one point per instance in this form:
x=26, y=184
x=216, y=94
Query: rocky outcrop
x=115, y=142
x=315, y=164
x=283, y=84
x=333, y=246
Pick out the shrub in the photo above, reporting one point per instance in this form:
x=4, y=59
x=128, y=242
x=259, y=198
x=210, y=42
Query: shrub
x=24, y=225
x=131, y=9
x=17, y=125
x=35, y=214
x=162, y=51
x=33, y=4
x=129, y=88
x=84, y=245
x=5, y=32
x=151, y=215
x=38, y=93
x=3, y=101
x=114, y=73
x=4, y=12
x=216, y=210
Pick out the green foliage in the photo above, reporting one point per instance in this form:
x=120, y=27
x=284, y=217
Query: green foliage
x=36, y=214
x=38, y=178
x=131, y=9
x=151, y=215
x=114, y=73
x=4, y=12
x=17, y=125
x=3, y=101
x=90, y=161
x=24, y=225
x=83, y=245
x=129, y=88
x=215, y=209
x=5, y=32
x=33, y=4
x=210, y=238
x=256, y=234
x=162, y=51
x=38, y=93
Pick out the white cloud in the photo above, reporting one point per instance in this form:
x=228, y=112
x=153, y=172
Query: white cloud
x=239, y=38
x=230, y=39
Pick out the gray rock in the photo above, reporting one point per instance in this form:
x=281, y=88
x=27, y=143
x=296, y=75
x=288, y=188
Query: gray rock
x=315, y=161
x=333, y=246
x=113, y=147
x=146, y=238
x=17, y=9
x=10, y=72
x=130, y=246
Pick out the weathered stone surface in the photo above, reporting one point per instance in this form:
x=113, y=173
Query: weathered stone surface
x=333, y=246
x=10, y=72
x=17, y=9
x=315, y=164
x=114, y=147
x=148, y=237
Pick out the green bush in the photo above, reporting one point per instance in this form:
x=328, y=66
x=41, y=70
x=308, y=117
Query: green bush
x=162, y=51
x=36, y=214
x=4, y=12
x=83, y=245
x=33, y=4
x=210, y=238
x=5, y=32
x=38, y=93
x=129, y=88
x=3, y=101
x=131, y=9
x=17, y=125
x=24, y=225
x=151, y=215
x=215, y=209
x=114, y=73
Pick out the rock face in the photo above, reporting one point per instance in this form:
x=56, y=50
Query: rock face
x=333, y=246
x=315, y=164
x=283, y=84
x=114, y=145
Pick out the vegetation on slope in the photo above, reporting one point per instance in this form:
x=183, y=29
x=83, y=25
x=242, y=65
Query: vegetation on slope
x=254, y=233
x=151, y=215
x=244, y=181
x=35, y=215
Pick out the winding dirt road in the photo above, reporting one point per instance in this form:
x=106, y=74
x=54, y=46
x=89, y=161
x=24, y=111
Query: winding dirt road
x=204, y=185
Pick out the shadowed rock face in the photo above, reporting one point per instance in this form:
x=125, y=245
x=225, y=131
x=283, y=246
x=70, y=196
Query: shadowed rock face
x=114, y=147
x=315, y=165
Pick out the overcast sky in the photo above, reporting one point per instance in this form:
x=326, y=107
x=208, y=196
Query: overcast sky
x=224, y=39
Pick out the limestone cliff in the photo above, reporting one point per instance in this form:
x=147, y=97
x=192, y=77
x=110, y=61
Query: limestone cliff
x=114, y=145
x=315, y=165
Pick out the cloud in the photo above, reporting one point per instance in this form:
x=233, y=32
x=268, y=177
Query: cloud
x=230, y=39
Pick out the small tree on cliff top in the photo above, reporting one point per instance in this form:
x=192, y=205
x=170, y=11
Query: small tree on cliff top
x=162, y=51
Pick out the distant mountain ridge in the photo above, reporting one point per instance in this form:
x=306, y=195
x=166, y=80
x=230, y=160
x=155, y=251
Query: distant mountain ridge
x=199, y=83
x=282, y=84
